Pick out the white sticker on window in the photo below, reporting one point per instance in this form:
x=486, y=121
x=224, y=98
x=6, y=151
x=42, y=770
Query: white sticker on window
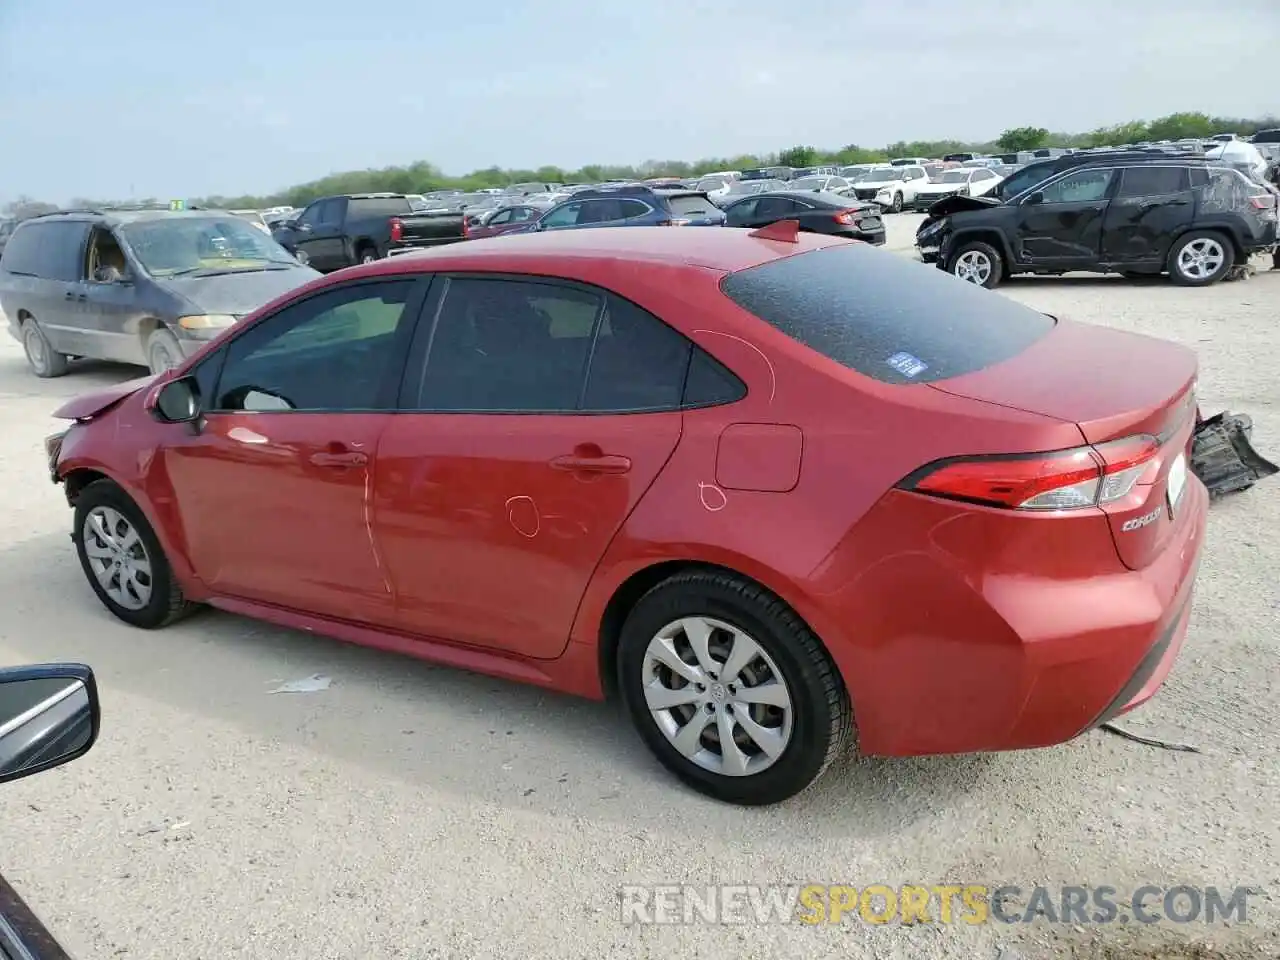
x=907, y=365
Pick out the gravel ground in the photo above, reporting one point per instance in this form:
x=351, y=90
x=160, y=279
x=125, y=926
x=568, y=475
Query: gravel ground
x=417, y=812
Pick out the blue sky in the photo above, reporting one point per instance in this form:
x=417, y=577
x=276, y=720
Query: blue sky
x=173, y=98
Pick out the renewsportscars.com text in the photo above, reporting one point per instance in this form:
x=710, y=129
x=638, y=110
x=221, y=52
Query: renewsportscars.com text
x=969, y=904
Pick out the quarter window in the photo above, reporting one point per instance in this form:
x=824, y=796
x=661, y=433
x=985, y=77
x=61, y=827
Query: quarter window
x=333, y=352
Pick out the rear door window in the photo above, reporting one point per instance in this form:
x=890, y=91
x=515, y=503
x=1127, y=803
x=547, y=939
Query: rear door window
x=1152, y=181
x=22, y=252
x=692, y=206
x=48, y=249
x=376, y=207
x=883, y=316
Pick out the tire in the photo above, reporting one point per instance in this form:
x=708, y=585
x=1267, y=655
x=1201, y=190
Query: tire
x=302, y=257
x=1200, y=258
x=978, y=263
x=44, y=361
x=163, y=352
x=814, y=729
x=1275, y=260
x=146, y=601
x=897, y=203
x=366, y=255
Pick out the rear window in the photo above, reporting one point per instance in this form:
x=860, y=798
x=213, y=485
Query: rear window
x=692, y=206
x=884, y=316
x=378, y=207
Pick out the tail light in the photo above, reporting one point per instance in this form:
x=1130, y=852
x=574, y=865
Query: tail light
x=846, y=216
x=466, y=227
x=1057, y=480
x=1263, y=201
x=673, y=222
x=397, y=230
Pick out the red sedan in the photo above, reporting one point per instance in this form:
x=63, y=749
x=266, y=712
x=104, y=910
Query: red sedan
x=770, y=488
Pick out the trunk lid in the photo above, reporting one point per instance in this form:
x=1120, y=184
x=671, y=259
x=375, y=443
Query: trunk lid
x=1113, y=385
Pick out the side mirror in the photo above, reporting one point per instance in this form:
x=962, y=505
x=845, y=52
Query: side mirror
x=177, y=401
x=1035, y=198
x=49, y=715
x=299, y=226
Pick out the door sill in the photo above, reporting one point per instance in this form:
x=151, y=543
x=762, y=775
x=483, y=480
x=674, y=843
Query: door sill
x=431, y=650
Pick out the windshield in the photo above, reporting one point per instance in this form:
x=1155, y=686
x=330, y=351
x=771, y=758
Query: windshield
x=885, y=174
x=809, y=183
x=953, y=176
x=710, y=183
x=168, y=247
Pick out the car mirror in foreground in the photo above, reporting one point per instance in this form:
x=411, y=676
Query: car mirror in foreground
x=49, y=715
x=177, y=401
x=1036, y=197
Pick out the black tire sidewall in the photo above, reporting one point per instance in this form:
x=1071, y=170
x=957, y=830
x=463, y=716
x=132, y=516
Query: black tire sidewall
x=805, y=755
x=1182, y=242
x=157, y=611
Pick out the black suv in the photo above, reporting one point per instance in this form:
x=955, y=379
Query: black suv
x=141, y=286
x=1136, y=217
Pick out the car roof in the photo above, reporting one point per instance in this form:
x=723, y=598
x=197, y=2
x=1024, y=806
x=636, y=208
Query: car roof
x=134, y=216
x=707, y=248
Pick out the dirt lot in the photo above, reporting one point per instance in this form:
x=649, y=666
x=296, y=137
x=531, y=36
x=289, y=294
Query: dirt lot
x=416, y=812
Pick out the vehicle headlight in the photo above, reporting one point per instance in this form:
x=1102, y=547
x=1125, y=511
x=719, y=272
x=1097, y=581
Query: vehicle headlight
x=206, y=324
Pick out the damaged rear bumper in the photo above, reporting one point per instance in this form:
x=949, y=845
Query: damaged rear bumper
x=1222, y=455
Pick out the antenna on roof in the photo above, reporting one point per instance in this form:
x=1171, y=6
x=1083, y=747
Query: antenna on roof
x=786, y=231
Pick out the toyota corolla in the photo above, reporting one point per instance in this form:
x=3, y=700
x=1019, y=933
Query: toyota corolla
x=776, y=490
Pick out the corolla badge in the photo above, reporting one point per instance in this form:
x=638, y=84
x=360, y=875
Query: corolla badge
x=1137, y=523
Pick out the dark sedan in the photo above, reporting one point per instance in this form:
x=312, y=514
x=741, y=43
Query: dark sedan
x=507, y=218
x=817, y=212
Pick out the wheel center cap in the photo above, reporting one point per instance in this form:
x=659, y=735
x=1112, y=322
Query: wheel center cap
x=718, y=693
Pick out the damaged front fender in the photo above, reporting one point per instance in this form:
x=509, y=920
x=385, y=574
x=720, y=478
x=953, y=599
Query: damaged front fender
x=959, y=204
x=1222, y=455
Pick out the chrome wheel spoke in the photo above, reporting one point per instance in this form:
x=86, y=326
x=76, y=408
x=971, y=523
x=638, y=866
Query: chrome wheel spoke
x=698, y=632
x=743, y=651
x=689, y=740
x=771, y=694
x=768, y=739
x=660, y=697
x=664, y=650
x=735, y=761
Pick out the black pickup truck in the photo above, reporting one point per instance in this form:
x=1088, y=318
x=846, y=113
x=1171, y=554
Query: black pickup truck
x=336, y=232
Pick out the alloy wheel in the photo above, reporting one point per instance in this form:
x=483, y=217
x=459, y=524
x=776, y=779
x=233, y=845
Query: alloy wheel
x=118, y=557
x=1201, y=258
x=717, y=697
x=973, y=266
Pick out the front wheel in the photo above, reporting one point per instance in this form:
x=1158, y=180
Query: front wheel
x=163, y=352
x=978, y=263
x=44, y=361
x=732, y=692
x=1200, y=258
x=123, y=560
x=302, y=257
x=897, y=203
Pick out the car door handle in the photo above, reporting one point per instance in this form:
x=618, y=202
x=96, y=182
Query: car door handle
x=587, y=464
x=349, y=458
x=75, y=296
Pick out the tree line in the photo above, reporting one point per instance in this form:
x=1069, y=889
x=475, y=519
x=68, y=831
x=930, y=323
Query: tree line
x=425, y=177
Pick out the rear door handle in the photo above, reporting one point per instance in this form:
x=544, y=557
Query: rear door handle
x=600, y=464
x=350, y=458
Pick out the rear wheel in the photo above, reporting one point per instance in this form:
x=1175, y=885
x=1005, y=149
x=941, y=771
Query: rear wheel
x=44, y=361
x=731, y=691
x=366, y=254
x=123, y=560
x=301, y=257
x=163, y=352
x=1200, y=258
x=978, y=263
x=897, y=203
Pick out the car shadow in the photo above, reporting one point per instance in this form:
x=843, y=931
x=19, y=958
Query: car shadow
x=445, y=729
x=82, y=376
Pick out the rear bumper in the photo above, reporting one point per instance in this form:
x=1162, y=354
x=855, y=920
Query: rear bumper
x=983, y=631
